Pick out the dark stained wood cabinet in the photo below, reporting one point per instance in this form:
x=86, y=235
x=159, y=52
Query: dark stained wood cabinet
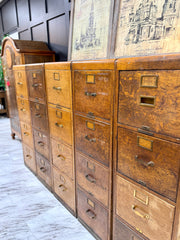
x=15, y=52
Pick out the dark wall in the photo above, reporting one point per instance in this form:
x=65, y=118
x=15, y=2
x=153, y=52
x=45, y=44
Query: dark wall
x=39, y=20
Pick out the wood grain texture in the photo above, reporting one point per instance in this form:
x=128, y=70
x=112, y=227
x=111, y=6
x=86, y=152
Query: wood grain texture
x=29, y=157
x=93, y=177
x=143, y=210
x=21, y=83
x=24, y=110
x=27, y=135
x=41, y=143
x=43, y=168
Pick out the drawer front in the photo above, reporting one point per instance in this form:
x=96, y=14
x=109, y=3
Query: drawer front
x=123, y=232
x=29, y=157
x=151, y=99
x=60, y=122
x=43, y=168
x=93, y=214
x=58, y=85
x=21, y=84
x=149, y=161
x=93, y=139
x=93, y=177
x=93, y=92
x=64, y=187
x=63, y=158
x=36, y=85
x=41, y=142
x=26, y=132
x=24, y=110
x=39, y=116
x=143, y=210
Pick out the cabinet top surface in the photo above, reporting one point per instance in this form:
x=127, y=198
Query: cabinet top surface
x=58, y=66
x=105, y=64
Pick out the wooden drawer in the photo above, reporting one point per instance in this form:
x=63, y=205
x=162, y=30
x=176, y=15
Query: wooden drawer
x=24, y=110
x=150, y=99
x=36, y=85
x=21, y=84
x=93, y=138
x=43, y=168
x=41, y=143
x=64, y=187
x=123, y=232
x=26, y=133
x=93, y=177
x=92, y=91
x=150, y=161
x=60, y=123
x=29, y=157
x=39, y=116
x=58, y=85
x=149, y=214
x=93, y=214
x=63, y=157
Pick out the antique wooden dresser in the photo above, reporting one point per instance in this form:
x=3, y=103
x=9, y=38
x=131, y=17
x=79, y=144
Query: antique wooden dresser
x=147, y=149
x=16, y=52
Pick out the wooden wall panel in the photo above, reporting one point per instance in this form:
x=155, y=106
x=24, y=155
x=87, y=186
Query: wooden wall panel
x=39, y=33
x=37, y=9
x=23, y=12
x=25, y=35
x=9, y=16
x=53, y=5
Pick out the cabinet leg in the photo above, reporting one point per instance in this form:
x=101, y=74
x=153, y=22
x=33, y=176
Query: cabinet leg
x=13, y=135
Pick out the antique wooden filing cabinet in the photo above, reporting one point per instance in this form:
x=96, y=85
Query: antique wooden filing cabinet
x=59, y=97
x=15, y=52
x=147, y=149
x=93, y=107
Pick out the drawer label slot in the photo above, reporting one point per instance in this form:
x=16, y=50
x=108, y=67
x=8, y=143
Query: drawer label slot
x=147, y=101
x=145, y=143
x=90, y=125
x=141, y=197
x=56, y=76
x=149, y=81
x=91, y=203
x=90, y=79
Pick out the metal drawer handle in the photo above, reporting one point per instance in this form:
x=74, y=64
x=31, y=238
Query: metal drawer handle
x=90, y=94
x=41, y=144
x=90, y=214
x=35, y=85
x=58, y=125
x=146, y=216
x=90, y=178
x=62, y=187
x=37, y=115
x=43, y=169
x=90, y=139
x=57, y=88
x=28, y=156
x=20, y=83
x=26, y=134
x=23, y=110
x=149, y=164
x=62, y=158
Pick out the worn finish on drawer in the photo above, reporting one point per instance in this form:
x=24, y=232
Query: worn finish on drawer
x=149, y=214
x=36, y=84
x=93, y=138
x=58, y=85
x=150, y=161
x=93, y=214
x=26, y=133
x=63, y=157
x=151, y=99
x=123, y=232
x=43, y=168
x=39, y=116
x=24, y=110
x=93, y=177
x=41, y=142
x=92, y=91
x=29, y=157
x=60, y=123
x=21, y=84
x=64, y=187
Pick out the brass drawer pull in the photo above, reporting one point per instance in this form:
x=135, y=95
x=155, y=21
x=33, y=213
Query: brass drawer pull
x=90, y=139
x=28, y=156
x=62, y=158
x=90, y=178
x=57, y=88
x=147, y=101
x=58, y=125
x=62, y=187
x=43, y=169
x=41, y=144
x=146, y=216
x=90, y=94
x=149, y=164
x=35, y=85
x=37, y=115
x=90, y=214
x=23, y=110
x=20, y=83
x=26, y=134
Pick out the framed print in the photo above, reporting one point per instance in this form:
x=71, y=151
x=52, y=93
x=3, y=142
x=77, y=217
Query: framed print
x=91, y=26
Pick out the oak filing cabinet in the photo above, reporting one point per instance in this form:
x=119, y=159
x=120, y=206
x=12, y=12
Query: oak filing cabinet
x=59, y=97
x=93, y=106
x=146, y=149
x=23, y=106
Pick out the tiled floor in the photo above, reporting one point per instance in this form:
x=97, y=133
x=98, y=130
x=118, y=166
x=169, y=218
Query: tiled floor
x=28, y=210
